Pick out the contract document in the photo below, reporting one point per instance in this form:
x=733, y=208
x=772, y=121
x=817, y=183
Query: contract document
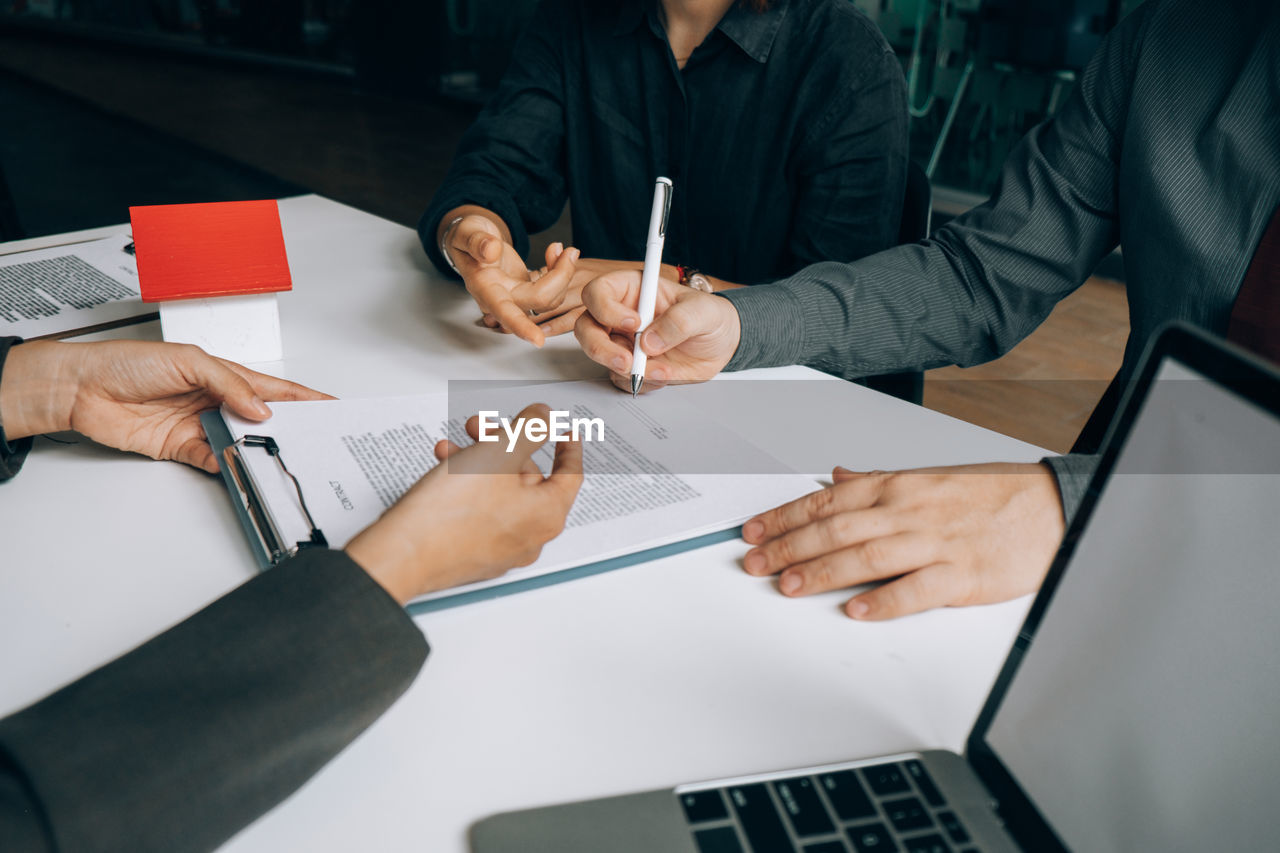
x=72, y=289
x=659, y=474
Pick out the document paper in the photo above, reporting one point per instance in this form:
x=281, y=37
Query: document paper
x=76, y=288
x=354, y=458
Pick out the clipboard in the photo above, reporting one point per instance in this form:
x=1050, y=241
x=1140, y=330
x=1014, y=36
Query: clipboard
x=136, y=312
x=258, y=518
x=261, y=523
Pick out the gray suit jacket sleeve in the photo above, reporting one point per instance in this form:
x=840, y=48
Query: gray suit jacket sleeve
x=1073, y=473
x=985, y=280
x=178, y=744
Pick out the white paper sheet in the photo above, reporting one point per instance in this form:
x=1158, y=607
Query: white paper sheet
x=73, y=288
x=660, y=477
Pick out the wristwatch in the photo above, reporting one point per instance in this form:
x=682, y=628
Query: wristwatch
x=690, y=277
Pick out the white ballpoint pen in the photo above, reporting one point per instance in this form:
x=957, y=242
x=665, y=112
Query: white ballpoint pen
x=649, y=277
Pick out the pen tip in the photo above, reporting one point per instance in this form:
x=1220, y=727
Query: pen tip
x=636, y=383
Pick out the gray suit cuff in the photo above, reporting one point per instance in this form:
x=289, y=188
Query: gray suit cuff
x=1073, y=472
x=180, y=743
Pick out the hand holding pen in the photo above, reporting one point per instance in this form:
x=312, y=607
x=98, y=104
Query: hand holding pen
x=658, y=216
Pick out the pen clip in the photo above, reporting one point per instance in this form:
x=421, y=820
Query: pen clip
x=666, y=207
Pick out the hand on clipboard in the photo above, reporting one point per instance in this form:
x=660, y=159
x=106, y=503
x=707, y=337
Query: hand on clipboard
x=142, y=397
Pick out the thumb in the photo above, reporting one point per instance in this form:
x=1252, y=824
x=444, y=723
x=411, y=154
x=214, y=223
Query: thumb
x=525, y=447
x=611, y=299
x=679, y=323
x=553, y=251
x=548, y=292
x=841, y=474
x=445, y=448
x=479, y=238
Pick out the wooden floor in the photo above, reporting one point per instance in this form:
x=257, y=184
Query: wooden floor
x=387, y=155
x=1044, y=389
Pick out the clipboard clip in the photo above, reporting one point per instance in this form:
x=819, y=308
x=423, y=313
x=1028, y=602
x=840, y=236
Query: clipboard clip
x=273, y=541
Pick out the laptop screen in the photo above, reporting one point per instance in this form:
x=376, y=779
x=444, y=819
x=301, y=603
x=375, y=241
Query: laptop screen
x=1146, y=713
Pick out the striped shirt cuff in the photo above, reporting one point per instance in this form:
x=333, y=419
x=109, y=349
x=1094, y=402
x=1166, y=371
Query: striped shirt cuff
x=1073, y=473
x=773, y=329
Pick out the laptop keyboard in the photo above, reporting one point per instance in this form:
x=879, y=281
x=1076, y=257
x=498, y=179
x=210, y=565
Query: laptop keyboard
x=873, y=809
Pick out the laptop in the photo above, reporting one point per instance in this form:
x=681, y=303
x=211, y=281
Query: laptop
x=1139, y=707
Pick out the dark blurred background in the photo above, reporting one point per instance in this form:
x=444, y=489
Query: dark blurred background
x=109, y=103
x=104, y=103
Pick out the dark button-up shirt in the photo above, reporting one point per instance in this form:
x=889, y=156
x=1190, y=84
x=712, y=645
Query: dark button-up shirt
x=1170, y=145
x=785, y=136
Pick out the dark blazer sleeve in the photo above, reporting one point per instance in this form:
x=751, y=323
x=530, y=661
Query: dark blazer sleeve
x=178, y=744
x=12, y=454
x=511, y=161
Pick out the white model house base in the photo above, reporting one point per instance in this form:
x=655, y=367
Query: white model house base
x=245, y=329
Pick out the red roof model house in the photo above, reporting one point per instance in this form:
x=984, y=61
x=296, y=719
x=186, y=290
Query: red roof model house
x=215, y=269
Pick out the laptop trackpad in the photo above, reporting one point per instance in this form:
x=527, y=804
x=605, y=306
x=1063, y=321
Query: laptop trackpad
x=635, y=822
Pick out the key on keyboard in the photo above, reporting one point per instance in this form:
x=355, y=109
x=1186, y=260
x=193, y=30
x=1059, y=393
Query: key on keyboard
x=803, y=807
x=703, y=806
x=886, y=779
x=759, y=819
x=847, y=795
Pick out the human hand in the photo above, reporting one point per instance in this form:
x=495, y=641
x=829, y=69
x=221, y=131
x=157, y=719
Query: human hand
x=564, y=316
x=692, y=337
x=137, y=396
x=482, y=511
x=970, y=534
x=505, y=289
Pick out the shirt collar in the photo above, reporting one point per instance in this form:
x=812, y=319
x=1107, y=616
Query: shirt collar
x=752, y=32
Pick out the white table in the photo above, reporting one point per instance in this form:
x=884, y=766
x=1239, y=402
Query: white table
x=677, y=670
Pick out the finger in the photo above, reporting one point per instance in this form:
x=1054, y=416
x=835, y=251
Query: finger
x=530, y=473
x=824, y=536
x=688, y=318
x=530, y=467
x=844, y=497
x=478, y=238
x=490, y=321
x=553, y=252
x=514, y=320
x=197, y=453
x=273, y=388
x=219, y=380
x=937, y=585
x=611, y=299
x=599, y=345
x=566, y=473
x=873, y=560
x=564, y=323
x=525, y=447
x=445, y=448
x=548, y=291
